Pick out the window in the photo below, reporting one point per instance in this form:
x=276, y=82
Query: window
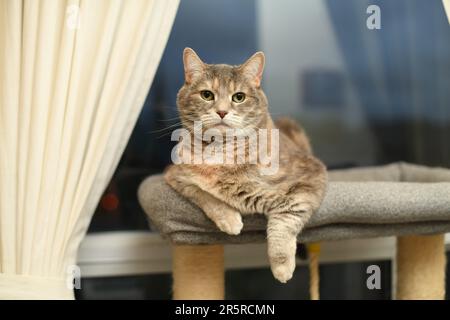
x=365, y=96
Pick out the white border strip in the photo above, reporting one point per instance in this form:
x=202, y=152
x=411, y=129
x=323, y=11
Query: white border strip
x=109, y=254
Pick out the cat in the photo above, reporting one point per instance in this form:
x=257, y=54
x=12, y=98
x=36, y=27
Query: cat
x=223, y=96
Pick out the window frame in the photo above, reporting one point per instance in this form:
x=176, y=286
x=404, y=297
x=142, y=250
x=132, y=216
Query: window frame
x=121, y=253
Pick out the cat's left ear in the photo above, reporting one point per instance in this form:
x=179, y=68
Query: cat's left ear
x=254, y=67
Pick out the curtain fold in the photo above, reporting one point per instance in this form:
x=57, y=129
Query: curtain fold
x=73, y=77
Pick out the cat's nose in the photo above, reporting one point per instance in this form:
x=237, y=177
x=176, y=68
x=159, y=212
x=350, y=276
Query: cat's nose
x=222, y=114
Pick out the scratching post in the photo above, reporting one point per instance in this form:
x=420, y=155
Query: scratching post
x=198, y=272
x=421, y=267
x=390, y=200
x=314, y=278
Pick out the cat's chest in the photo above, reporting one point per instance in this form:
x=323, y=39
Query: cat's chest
x=222, y=170
x=217, y=174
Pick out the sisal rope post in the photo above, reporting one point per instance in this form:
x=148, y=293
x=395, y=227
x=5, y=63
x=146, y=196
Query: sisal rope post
x=314, y=278
x=198, y=272
x=421, y=267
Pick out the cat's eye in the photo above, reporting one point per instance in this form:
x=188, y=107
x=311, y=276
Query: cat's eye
x=238, y=97
x=207, y=95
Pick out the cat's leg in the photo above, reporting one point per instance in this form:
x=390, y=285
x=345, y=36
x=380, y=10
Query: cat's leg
x=287, y=217
x=282, y=231
x=289, y=212
x=226, y=218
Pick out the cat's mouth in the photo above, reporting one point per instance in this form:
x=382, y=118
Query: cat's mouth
x=222, y=125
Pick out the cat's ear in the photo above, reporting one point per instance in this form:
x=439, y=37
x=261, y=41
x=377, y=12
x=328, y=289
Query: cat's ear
x=193, y=65
x=254, y=67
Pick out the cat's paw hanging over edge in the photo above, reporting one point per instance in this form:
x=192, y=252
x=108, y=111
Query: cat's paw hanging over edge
x=283, y=271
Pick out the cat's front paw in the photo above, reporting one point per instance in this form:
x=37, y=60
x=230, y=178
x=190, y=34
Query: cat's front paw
x=283, y=271
x=230, y=222
x=282, y=257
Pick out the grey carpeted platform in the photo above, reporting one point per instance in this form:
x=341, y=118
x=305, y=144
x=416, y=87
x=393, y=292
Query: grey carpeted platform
x=395, y=199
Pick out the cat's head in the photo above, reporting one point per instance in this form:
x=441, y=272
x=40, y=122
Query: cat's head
x=222, y=96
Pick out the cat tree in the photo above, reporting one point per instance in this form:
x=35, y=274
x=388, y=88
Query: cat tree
x=407, y=201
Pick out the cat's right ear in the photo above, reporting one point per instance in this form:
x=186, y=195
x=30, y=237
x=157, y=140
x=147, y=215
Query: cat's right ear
x=193, y=65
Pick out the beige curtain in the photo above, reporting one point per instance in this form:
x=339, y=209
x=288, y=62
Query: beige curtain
x=73, y=78
x=446, y=4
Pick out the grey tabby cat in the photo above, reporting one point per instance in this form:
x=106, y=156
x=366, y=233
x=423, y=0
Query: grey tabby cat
x=224, y=96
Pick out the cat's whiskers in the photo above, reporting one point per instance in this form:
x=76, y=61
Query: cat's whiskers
x=178, y=124
x=233, y=121
x=168, y=119
x=173, y=126
x=250, y=124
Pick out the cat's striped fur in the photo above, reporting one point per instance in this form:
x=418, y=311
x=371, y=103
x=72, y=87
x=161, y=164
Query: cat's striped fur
x=225, y=192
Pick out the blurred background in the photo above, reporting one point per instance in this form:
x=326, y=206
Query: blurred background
x=365, y=97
